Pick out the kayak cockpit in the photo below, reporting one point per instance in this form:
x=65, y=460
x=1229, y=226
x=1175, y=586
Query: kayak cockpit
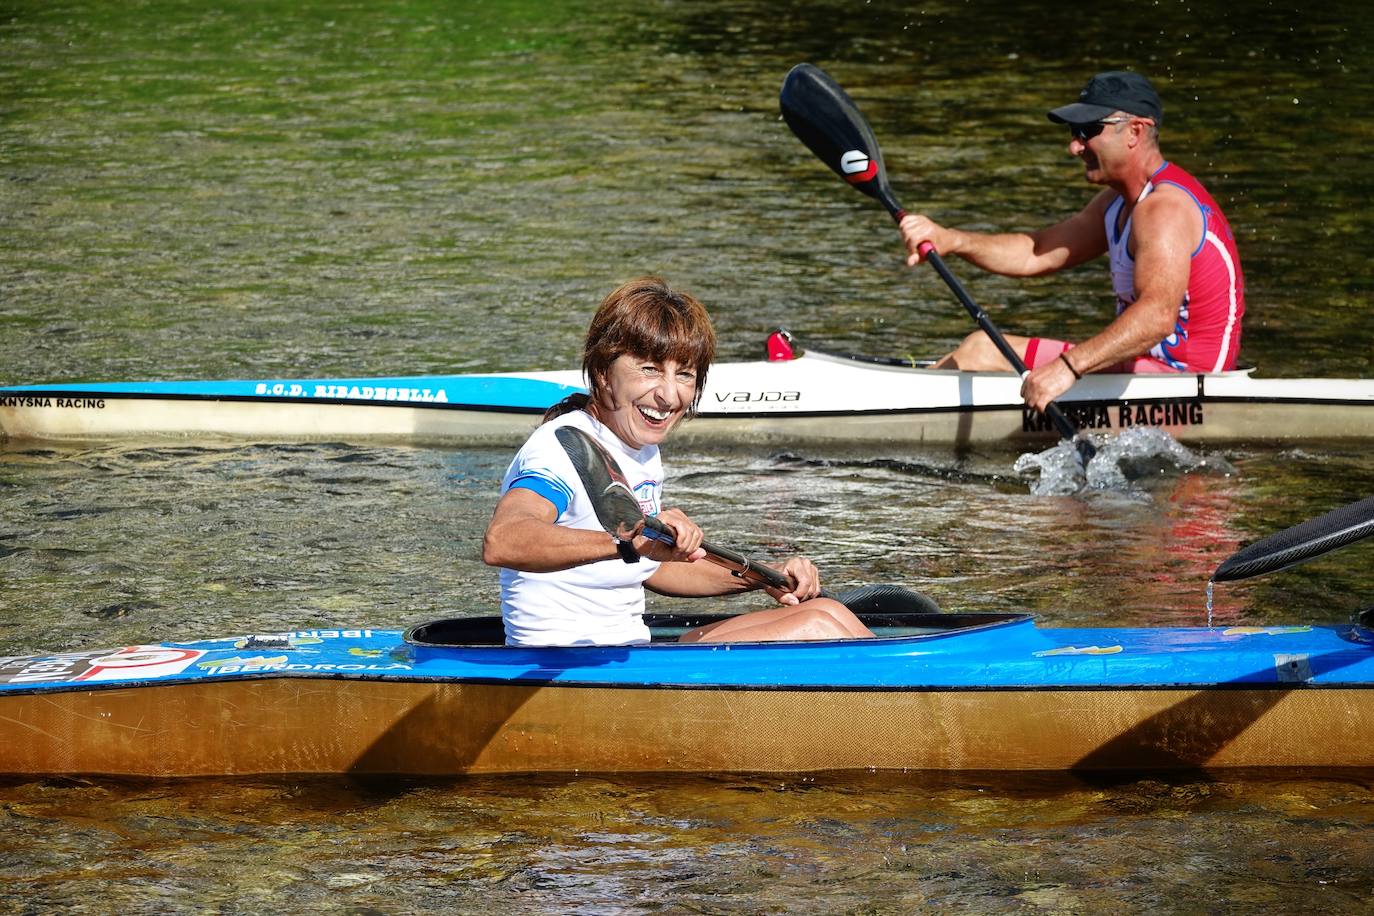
x=667, y=628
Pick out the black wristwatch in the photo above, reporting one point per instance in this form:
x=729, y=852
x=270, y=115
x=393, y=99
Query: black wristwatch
x=626, y=549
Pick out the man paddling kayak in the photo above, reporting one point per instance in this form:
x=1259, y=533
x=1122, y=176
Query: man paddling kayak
x=564, y=580
x=1175, y=270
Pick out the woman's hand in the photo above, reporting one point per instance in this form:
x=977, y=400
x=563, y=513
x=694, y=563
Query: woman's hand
x=806, y=582
x=686, y=534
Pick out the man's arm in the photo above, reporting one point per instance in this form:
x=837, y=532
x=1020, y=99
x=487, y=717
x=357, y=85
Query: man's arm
x=1166, y=230
x=1079, y=238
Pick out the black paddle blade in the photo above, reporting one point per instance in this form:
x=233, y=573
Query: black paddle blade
x=886, y=599
x=826, y=119
x=1300, y=543
x=614, y=502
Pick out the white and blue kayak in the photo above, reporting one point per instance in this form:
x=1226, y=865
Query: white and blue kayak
x=795, y=396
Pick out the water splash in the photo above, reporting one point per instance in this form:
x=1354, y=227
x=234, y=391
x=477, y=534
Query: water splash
x=1121, y=461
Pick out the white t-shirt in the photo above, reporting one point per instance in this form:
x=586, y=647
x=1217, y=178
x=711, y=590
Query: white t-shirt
x=596, y=604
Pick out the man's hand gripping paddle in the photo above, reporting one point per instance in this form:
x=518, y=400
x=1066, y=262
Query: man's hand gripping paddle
x=826, y=119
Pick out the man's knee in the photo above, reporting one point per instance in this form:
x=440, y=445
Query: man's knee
x=978, y=353
x=974, y=352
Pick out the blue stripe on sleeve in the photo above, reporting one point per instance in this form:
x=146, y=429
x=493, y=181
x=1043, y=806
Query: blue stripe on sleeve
x=551, y=488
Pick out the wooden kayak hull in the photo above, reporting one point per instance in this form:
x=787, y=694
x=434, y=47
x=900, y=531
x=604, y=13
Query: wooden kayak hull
x=294, y=726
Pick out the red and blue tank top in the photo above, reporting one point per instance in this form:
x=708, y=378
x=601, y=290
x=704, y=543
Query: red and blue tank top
x=1206, y=335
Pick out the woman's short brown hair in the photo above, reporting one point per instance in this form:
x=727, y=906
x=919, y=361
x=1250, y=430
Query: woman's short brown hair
x=646, y=318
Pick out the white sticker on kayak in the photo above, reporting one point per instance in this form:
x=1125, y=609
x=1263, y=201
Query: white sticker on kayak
x=1078, y=650
x=136, y=663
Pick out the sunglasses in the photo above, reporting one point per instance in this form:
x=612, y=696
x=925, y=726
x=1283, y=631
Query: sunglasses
x=1086, y=132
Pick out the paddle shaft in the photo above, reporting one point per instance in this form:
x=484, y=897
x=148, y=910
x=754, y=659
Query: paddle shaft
x=619, y=512
x=737, y=563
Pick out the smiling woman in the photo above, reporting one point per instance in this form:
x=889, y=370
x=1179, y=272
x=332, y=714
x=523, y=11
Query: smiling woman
x=564, y=580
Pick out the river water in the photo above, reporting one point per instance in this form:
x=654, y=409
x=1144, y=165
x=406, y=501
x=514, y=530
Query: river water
x=267, y=189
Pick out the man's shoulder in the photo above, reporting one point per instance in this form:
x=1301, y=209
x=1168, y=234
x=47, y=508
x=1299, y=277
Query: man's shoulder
x=1166, y=194
x=1169, y=210
x=1185, y=183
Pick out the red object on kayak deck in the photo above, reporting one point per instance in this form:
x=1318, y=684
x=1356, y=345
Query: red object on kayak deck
x=779, y=346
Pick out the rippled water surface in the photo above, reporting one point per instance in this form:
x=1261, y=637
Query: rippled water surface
x=189, y=190
x=823, y=844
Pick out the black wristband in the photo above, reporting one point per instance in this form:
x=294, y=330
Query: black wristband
x=1065, y=358
x=626, y=549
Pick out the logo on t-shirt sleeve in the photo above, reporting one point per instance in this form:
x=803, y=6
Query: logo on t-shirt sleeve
x=648, y=495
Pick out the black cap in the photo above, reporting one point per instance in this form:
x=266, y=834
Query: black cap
x=1115, y=90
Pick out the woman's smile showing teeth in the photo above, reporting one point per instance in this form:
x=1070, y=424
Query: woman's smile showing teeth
x=657, y=416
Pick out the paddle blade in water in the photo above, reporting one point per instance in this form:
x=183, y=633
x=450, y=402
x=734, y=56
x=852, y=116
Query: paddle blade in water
x=826, y=119
x=1300, y=543
x=615, y=504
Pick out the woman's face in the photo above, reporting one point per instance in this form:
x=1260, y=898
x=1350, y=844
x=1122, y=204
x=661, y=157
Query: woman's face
x=641, y=399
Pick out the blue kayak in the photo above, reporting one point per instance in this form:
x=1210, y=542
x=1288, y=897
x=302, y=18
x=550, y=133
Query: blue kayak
x=931, y=692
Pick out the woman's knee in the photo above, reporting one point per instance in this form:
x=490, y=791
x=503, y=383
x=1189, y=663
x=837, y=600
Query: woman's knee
x=845, y=621
x=823, y=617
x=832, y=609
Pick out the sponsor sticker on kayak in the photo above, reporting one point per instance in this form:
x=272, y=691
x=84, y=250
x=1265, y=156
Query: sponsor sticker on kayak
x=347, y=391
x=1078, y=650
x=31, y=402
x=1126, y=415
x=131, y=663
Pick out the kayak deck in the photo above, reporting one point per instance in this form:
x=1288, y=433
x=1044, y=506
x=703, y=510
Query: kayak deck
x=911, y=651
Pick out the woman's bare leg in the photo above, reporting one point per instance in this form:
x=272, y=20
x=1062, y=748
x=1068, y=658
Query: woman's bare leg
x=819, y=618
